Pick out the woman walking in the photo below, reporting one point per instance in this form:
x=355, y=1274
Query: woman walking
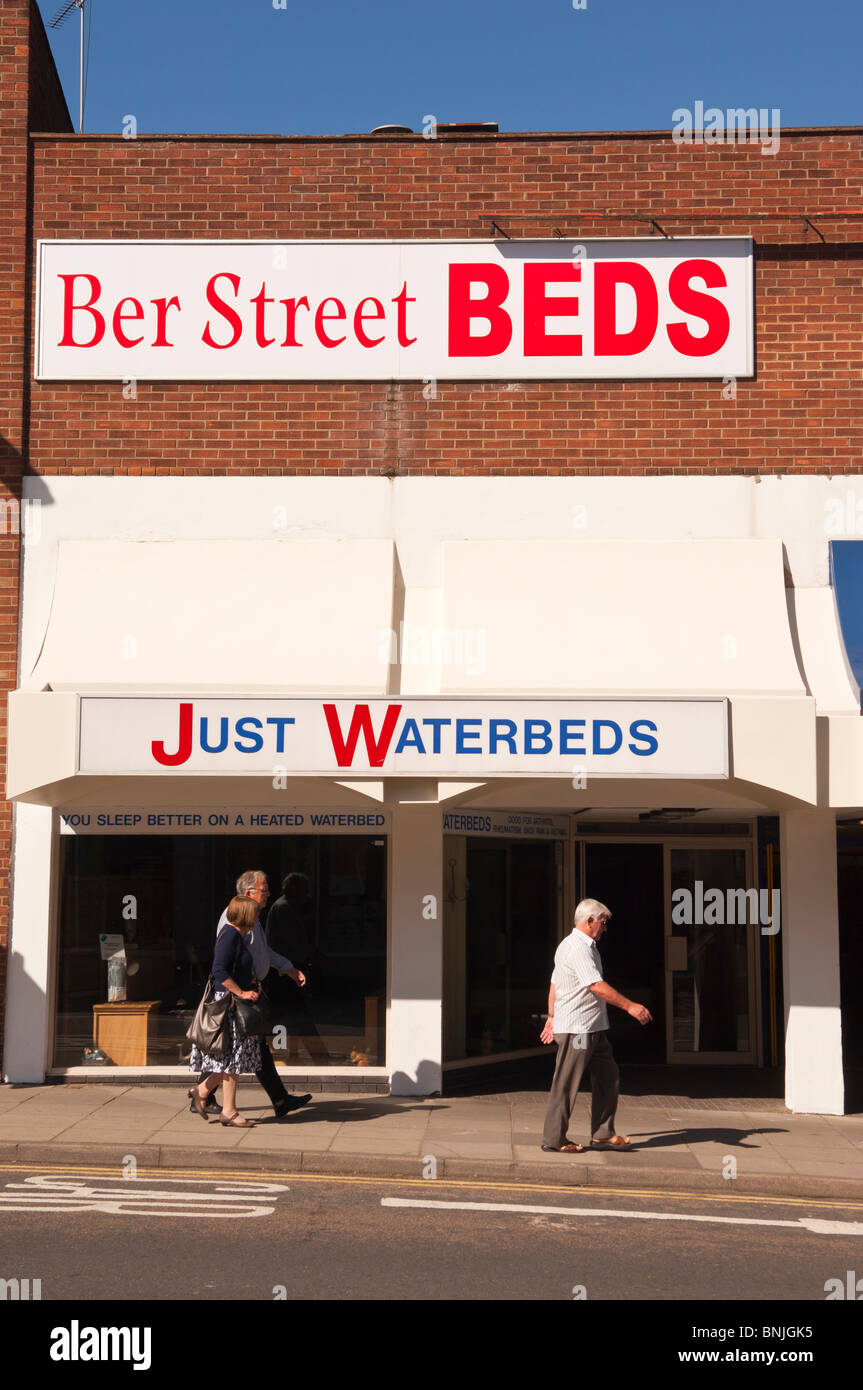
x=232, y=974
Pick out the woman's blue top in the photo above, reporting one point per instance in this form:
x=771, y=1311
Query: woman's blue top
x=232, y=959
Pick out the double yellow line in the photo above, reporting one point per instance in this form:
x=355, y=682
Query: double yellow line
x=432, y=1184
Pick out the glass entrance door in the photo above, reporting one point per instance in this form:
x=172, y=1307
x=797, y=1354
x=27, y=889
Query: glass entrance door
x=710, y=955
x=680, y=941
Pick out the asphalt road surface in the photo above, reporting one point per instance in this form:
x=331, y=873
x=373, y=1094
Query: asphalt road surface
x=91, y=1234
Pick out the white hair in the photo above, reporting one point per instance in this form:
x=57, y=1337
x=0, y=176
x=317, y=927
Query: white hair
x=589, y=907
x=248, y=880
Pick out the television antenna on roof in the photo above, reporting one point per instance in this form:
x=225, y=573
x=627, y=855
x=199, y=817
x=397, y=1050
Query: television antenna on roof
x=58, y=19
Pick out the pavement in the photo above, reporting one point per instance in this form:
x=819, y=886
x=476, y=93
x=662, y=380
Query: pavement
x=703, y=1144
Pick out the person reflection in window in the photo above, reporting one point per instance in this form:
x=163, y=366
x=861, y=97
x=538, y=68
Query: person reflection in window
x=289, y=934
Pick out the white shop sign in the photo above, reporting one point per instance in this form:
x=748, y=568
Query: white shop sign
x=209, y=820
x=413, y=737
x=519, y=825
x=394, y=310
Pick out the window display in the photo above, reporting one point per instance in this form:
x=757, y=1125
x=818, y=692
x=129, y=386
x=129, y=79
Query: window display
x=137, y=926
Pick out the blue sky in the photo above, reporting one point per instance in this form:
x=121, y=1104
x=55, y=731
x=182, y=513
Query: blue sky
x=332, y=67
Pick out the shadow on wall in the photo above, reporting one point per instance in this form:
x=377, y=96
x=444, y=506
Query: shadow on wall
x=426, y=1083
x=25, y=1000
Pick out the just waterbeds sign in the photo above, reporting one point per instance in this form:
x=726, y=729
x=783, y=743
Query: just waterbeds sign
x=414, y=737
x=394, y=310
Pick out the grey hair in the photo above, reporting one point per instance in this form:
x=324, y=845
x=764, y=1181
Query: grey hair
x=589, y=907
x=248, y=880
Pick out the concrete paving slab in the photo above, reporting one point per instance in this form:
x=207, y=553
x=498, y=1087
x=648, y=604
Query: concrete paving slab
x=317, y=1143
x=851, y=1171
x=13, y=1101
x=84, y=1099
x=474, y=1150
x=833, y=1153
x=344, y=1144
x=715, y=1163
x=290, y=1146
x=26, y=1130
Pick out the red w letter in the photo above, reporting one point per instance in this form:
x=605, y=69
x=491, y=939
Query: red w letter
x=376, y=748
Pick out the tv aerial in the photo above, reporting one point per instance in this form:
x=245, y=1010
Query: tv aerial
x=59, y=18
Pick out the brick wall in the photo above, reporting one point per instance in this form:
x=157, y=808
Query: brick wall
x=801, y=414
x=30, y=98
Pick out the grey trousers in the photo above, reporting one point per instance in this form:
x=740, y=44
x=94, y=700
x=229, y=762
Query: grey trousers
x=575, y=1052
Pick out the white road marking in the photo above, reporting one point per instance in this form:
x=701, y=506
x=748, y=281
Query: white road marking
x=141, y=1197
x=825, y=1228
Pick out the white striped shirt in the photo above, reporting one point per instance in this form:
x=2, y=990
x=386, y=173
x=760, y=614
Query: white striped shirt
x=577, y=966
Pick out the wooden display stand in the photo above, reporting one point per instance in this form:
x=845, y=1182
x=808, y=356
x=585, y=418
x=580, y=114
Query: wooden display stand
x=123, y=1031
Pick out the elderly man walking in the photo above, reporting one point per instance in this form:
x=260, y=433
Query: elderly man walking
x=578, y=1023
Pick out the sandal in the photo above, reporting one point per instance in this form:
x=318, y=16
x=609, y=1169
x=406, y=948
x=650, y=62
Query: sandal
x=562, y=1148
x=617, y=1141
x=237, y=1121
x=200, y=1105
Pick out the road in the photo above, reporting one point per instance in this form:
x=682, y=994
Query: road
x=92, y=1234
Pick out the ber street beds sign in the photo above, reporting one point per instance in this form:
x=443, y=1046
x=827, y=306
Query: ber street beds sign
x=394, y=310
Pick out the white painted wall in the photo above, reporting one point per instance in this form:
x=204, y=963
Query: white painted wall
x=810, y=963
x=28, y=977
x=415, y=1051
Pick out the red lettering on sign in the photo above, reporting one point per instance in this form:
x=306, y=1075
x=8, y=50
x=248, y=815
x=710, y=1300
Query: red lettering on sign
x=184, y=742
x=70, y=308
x=230, y=315
x=401, y=301
x=260, y=301
x=362, y=337
x=361, y=722
x=162, y=306
x=119, y=318
x=463, y=310
x=703, y=306
x=291, y=307
x=337, y=317
x=607, y=275
x=538, y=306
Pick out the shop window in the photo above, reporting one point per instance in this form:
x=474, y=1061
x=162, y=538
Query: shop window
x=511, y=934
x=161, y=897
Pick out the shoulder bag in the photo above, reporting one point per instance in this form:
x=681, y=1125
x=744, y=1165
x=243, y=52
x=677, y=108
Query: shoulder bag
x=253, y=1018
x=209, y=1028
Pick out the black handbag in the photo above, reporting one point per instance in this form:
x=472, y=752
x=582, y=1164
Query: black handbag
x=252, y=1018
x=209, y=1028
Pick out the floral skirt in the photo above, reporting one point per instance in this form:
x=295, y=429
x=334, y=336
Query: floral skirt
x=244, y=1056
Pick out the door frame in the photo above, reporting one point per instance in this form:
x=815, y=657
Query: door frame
x=668, y=841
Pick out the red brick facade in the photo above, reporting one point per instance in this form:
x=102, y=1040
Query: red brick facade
x=30, y=99
x=802, y=413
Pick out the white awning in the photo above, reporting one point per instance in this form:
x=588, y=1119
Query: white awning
x=291, y=616
x=624, y=617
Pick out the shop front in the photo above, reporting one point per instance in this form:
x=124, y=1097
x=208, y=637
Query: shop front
x=433, y=743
